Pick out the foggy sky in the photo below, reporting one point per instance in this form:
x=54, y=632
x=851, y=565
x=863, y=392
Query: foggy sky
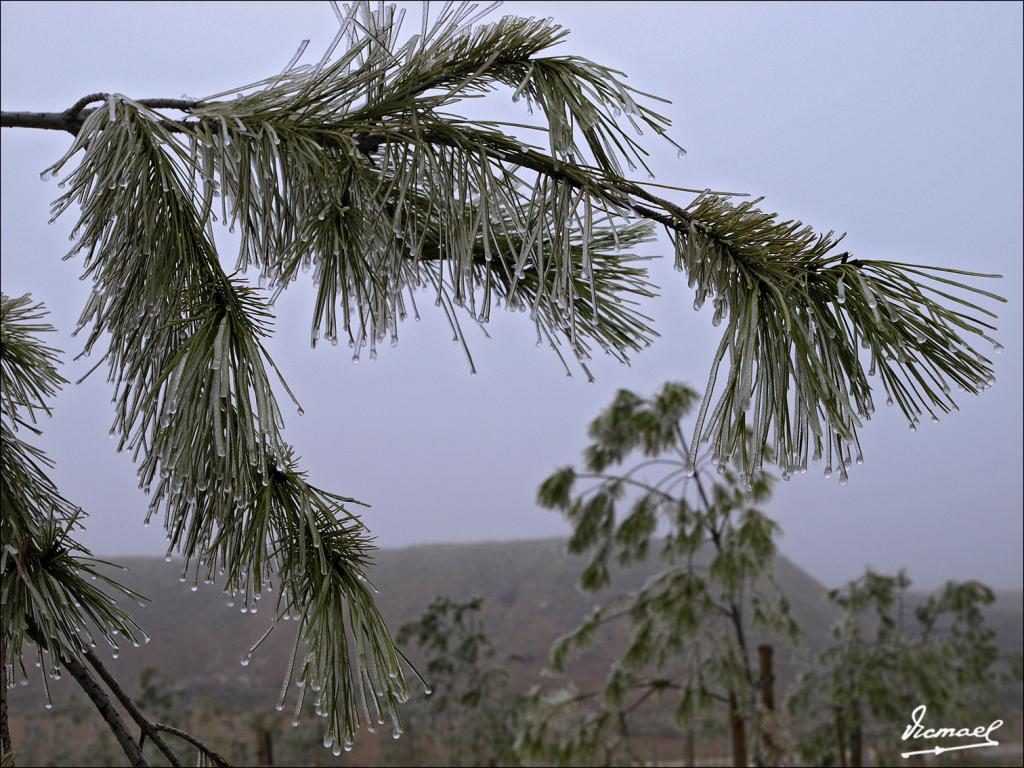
x=899, y=124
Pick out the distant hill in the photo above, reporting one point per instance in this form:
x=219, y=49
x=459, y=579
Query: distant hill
x=530, y=598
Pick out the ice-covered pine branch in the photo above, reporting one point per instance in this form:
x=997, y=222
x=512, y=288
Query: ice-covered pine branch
x=359, y=169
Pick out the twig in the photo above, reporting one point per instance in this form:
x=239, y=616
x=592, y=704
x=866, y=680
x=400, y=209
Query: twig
x=184, y=736
x=83, y=102
x=607, y=478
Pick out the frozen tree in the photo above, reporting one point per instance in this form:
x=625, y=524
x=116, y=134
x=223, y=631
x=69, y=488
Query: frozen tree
x=470, y=713
x=886, y=657
x=693, y=628
x=359, y=168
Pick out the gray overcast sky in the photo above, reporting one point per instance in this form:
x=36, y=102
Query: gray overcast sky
x=900, y=124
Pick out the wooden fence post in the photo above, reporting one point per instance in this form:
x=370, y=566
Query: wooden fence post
x=264, y=747
x=739, y=734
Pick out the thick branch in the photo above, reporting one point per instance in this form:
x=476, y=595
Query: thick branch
x=86, y=682
x=99, y=697
x=46, y=121
x=621, y=191
x=5, y=733
x=145, y=725
x=71, y=119
x=615, y=190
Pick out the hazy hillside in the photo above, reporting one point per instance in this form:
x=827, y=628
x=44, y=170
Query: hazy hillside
x=530, y=596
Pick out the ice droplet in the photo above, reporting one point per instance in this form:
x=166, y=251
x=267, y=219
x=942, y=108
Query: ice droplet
x=245, y=660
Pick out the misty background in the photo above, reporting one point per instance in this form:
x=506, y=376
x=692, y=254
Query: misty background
x=897, y=123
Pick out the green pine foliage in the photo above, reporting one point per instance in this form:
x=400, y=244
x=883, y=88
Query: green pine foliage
x=56, y=596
